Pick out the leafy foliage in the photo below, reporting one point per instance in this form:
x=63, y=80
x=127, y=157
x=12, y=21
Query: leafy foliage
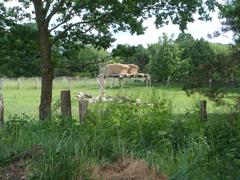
x=132, y=55
x=181, y=146
x=230, y=12
x=19, y=53
x=166, y=62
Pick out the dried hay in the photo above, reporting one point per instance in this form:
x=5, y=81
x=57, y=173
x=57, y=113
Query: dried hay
x=133, y=69
x=116, y=69
x=127, y=169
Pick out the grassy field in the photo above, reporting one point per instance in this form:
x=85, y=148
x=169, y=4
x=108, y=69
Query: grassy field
x=27, y=98
x=119, y=140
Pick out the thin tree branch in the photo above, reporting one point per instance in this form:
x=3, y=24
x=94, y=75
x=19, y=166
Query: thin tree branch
x=87, y=64
x=47, y=6
x=63, y=22
x=54, y=11
x=63, y=33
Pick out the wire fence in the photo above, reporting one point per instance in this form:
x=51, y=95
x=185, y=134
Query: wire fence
x=60, y=83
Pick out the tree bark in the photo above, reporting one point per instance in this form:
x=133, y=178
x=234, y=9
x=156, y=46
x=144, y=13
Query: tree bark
x=66, y=109
x=45, y=48
x=46, y=73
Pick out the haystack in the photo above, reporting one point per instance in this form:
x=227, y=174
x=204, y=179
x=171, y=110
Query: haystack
x=116, y=69
x=133, y=69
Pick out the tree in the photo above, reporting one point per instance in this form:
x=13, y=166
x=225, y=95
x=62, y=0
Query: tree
x=202, y=57
x=185, y=42
x=132, y=55
x=229, y=11
x=92, y=22
x=166, y=64
x=18, y=52
x=81, y=61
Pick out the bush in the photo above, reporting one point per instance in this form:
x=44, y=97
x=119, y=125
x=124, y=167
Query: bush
x=179, y=145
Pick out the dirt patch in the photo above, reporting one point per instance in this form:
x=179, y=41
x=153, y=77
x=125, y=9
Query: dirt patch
x=127, y=169
x=18, y=168
x=16, y=171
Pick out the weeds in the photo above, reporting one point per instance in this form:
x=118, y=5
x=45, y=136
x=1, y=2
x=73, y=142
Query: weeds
x=180, y=146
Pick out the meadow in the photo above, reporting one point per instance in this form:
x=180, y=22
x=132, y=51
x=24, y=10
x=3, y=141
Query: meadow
x=164, y=141
x=24, y=99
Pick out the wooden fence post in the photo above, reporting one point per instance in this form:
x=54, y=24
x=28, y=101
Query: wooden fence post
x=66, y=104
x=85, y=81
x=120, y=82
x=37, y=83
x=83, y=105
x=203, y=110
x=1, y=84
x=19, y=82
x=69, y=83
x=102, y=85
x=112, y=82
x=1, y=111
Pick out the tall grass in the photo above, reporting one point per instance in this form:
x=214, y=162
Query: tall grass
x=180, y=145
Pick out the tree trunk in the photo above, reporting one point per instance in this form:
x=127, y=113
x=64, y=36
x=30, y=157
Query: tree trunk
x=46, y=73
x=45, y=47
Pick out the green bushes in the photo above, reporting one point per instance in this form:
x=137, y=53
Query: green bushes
x=180, y=145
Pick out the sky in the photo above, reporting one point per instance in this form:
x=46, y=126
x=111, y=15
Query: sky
x=198, y=29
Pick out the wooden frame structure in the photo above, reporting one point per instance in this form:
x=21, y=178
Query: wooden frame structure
x=146, y=77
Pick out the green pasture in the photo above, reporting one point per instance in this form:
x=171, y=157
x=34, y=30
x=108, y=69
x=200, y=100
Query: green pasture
x=25, y=98
x=168, y=136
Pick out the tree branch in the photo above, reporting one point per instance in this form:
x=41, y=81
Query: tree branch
x=67, y=19
x=54, y=11
x=38, y=6
x=78, y=23
x=47, y=6
x=63, y=33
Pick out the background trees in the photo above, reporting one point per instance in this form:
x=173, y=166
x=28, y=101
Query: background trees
x=83, y=61
x=166, y=63
x=132, y=55
x=92, y=22
x=18, y=51
x=229, y=11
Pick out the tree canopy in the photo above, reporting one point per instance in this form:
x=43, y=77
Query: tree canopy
x=94, y=22
x=166, y=62
x=19, y=51
x=229, y=11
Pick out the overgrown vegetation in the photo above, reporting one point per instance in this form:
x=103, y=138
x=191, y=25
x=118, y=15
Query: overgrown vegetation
x=181, y=146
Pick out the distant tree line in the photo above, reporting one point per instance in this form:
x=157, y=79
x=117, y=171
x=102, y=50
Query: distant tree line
x=192, y=62
x=19, y=55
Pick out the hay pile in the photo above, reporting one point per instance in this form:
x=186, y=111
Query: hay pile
x=133, y=69
x=116, y=69
x=127, y=169
x=122, y=69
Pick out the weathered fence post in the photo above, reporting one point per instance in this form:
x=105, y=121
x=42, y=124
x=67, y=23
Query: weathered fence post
x=1, y=111
x=112, y=82
x=1, y=84
x=66, y=104
x=69, y=83
x=203, y=110
x=102, y=85
x=83, y=105
x=120, y=81
x=37, y=83
x=85, y=82
x=19, y=82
